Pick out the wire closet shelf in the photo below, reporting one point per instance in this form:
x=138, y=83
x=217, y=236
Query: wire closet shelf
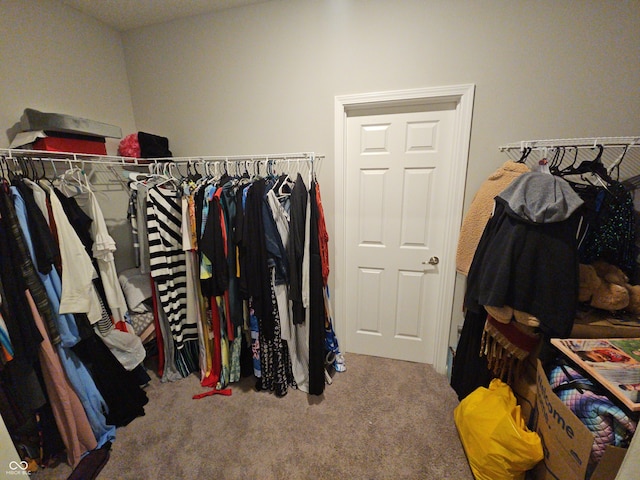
x=621, y=155
x=128, y=161
x=105, y=170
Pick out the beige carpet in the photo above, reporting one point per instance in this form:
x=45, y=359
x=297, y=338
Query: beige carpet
x=381, y=419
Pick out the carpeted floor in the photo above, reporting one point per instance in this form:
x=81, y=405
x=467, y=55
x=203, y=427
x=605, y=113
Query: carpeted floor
x=381, y=419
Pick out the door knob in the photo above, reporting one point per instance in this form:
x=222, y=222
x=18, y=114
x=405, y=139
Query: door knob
x=432, y=261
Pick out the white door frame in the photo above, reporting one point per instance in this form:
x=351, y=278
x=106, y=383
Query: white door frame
x=462, y=95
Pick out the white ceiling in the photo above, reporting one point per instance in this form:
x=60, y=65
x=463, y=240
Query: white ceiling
x=126, y=14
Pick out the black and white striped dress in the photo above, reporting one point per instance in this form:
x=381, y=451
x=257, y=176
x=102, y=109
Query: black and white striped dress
x=168, y=269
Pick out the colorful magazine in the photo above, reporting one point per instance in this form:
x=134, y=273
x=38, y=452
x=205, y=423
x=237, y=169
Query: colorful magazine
x=612, y=362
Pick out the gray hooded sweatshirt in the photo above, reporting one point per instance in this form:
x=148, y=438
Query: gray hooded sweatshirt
x=538, y=197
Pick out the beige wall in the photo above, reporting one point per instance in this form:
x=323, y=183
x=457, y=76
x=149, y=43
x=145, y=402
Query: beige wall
x=55, y=59
x=262, y=78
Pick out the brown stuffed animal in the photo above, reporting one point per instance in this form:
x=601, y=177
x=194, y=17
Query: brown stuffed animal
x=611, y=297
x=634, y=299
x=589, y=282
x=600, y=288
x=610, y=273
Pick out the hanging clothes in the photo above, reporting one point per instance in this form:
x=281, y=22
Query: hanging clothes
x=103, y=249
x=275, y=366
x=119, y=387
x=277, y=263
x=91, y=229
x=235, y=309
x=168, y=269
x=470, y=370
x=25, y=266
x=292, y=335
x=78, y=291
x=91, y=399
x=167, y=369
x=240, y=228
x=113, y=384
x=209, y=288
x=132, y=216
x=46, y=249
x=68, y=411
x=297, y=241
x=530, y=239
x=255, y=251
x=23, y=395
x=195, y=302
x=608, y=225
x=316, y=303
x=480, y=211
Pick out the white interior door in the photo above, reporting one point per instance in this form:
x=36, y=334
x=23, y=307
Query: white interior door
x=398, y=168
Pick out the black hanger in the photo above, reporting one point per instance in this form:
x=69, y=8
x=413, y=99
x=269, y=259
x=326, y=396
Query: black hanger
x=575, y=156
x=556, y=161
x=28, y=170
x=525, y=154
x=594, y=166
x=616, y=165
x=194, y=175
x=44, y=172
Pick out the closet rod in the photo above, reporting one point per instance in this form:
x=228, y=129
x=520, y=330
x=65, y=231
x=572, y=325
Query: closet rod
x=128, y=161
x=590, y=142
x=11, y=153
x=301, y=156
x=616, y=144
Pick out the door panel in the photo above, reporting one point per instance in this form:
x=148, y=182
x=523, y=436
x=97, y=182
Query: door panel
x=397, y=172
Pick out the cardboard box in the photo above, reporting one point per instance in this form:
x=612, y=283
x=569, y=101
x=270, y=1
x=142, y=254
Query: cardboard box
x=525, y=389
x=608, y=467
x=566, y=441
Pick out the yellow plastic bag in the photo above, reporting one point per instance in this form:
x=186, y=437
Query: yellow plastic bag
x=494, y=436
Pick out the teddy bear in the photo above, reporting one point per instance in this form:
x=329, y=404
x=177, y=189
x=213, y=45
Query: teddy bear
x=610, y=273
x=634, y=299
x=602, y=285
x=605, y=286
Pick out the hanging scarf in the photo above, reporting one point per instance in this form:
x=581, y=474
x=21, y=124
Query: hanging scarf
x=506, y=345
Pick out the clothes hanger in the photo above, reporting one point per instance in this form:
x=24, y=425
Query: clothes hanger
x=594, y=166
x=49, y=185
x=192, y=172
x=558, y=160
x=180, y=176
x=4, y=168
x=16, y=171
x=44, y=172
x=616, y=164
x=256, y=169
x=167, y=176
x=525, y=153
x=74, y=181
x=224, y=172
x=22, y=170
x=29, y=168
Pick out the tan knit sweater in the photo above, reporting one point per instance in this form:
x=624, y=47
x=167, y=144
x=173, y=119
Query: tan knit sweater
x=480, y=211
